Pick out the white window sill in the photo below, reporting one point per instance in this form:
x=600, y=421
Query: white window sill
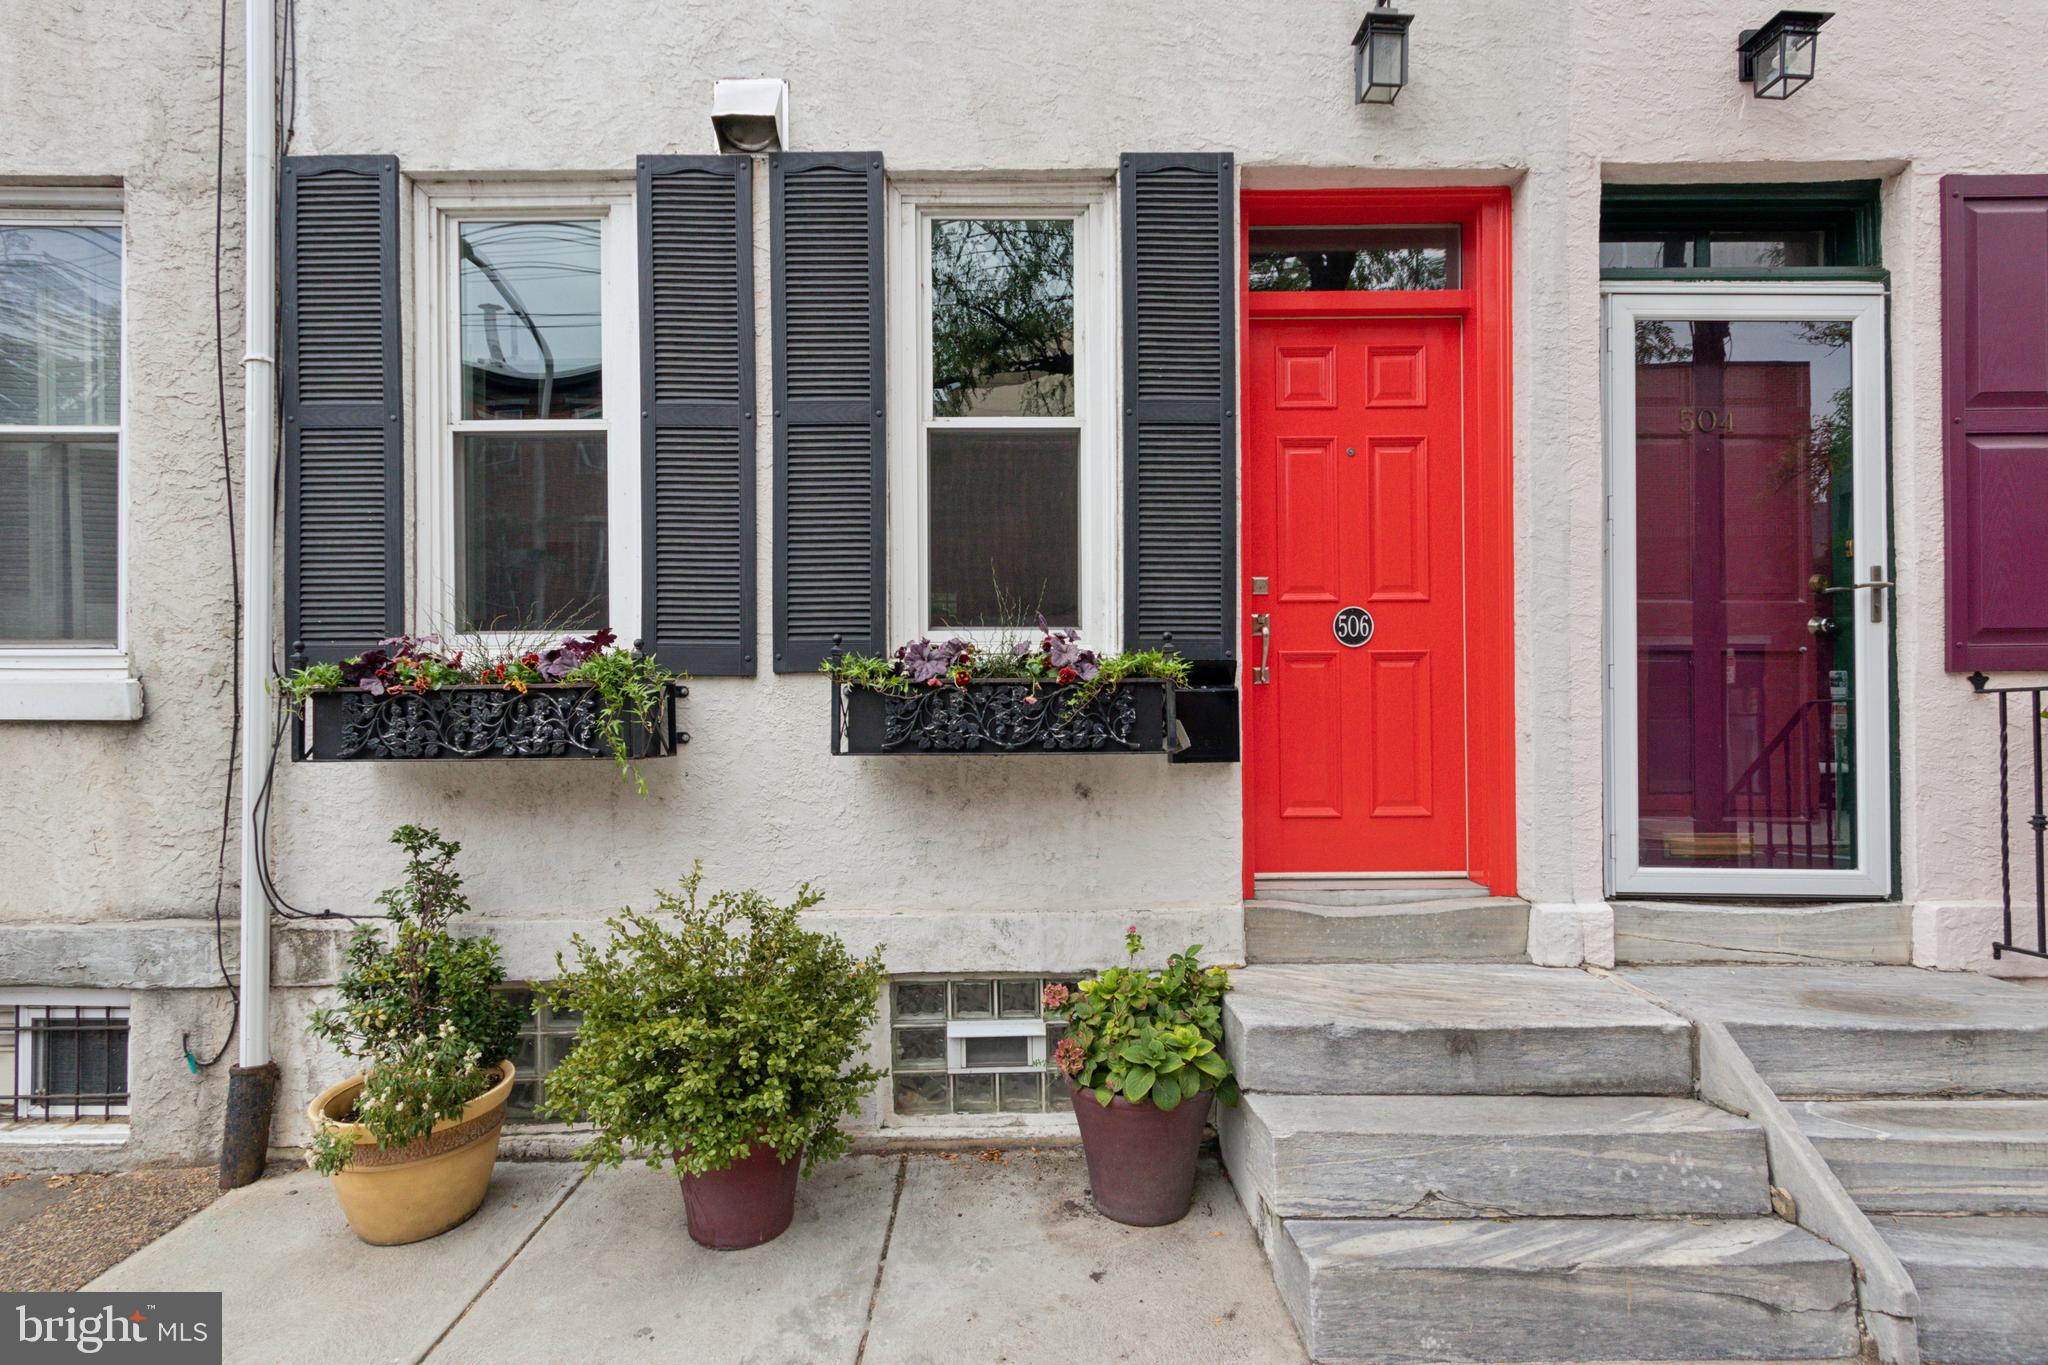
x=101, y=691
x=55, y=1134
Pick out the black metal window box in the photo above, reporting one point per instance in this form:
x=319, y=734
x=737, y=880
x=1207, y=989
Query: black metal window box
x=547, y=720
x=993, y=716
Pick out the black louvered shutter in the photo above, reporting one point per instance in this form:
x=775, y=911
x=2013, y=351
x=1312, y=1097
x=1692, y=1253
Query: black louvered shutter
x=344, y=405
x=697, y=397
x=829, y=458
x=1180, y=375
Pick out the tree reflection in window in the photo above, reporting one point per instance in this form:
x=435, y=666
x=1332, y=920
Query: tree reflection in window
x=1002, y=317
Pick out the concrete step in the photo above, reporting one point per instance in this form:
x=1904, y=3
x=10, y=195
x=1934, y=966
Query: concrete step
x=1365, y=890
x=1489, y=1156
x=1410, y=1029
x=1862, y=1031
x=1583, y=1289
x=1934, y=1156
x=1474, y=929
x=1980, y=1284
x=1646, y=931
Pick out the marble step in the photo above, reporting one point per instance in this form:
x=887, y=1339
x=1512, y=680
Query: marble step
x=1860, y=1031
x=1489, y=1156
x=1581, y=1289
x=1360, y=891
x=1934, y=1156
x=1649, y=931
x=1473, y=929
x=1412, y=1029
x=1980, y=1281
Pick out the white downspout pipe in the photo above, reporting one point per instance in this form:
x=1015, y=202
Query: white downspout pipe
x=252, y=1088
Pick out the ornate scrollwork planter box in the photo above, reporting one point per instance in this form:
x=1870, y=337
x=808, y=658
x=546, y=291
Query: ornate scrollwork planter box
x=998, y=717
x=547, y=720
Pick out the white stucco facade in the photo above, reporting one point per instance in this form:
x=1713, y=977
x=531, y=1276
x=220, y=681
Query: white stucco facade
x=112, y=839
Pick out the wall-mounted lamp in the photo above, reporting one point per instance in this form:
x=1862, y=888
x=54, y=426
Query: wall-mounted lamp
x=1382, y=54
x=1779, y=57
x=751, y=115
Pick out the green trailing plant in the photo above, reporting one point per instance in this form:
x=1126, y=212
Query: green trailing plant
x=1154, y=1035
x=631, y=687
x=421, y=1011
x=1054, y=658
x=717, y=1025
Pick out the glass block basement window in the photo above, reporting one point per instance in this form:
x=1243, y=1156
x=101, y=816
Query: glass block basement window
x=544, y=1039
x=973, y=1046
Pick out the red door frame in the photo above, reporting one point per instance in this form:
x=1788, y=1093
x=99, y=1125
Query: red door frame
x=1484, y=302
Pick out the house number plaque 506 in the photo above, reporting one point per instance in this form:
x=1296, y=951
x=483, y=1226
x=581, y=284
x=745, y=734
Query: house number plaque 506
x=1352, y=626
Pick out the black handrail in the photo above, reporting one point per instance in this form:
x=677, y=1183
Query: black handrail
x=2038, y=821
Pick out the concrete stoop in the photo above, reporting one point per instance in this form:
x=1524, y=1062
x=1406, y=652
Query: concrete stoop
x=1980, y=1279
x=1936, y=1123
x=1466, y=929
x=1485, y=1162
x=1465, y=1162
x=1566, y=1289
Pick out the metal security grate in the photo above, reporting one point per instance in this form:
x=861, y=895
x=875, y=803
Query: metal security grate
x=65, y=1062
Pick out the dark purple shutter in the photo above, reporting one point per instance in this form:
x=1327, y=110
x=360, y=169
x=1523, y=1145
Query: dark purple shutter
x=1994, y=331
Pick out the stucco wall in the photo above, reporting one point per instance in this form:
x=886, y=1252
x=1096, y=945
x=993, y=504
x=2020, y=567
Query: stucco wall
x=120, y=822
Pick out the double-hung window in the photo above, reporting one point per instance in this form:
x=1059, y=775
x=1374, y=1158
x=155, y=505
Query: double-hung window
x=61, y=636
x=1002, y=477
x=529, y=482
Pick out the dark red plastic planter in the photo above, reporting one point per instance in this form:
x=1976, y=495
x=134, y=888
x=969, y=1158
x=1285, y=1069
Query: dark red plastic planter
x=1141, y=1159
x=749, y=1202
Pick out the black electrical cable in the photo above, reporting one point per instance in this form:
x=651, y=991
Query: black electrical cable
x=227, y=460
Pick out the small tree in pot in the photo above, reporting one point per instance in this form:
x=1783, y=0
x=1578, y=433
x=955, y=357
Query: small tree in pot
x=1143, y=1057
x=722, y=1045
x=411, y=1141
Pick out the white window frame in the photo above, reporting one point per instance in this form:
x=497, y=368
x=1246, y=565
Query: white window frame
x=38, y=1001
x=439, y=209
x=1863, y=307
x=63, y=681
x=1091, y=205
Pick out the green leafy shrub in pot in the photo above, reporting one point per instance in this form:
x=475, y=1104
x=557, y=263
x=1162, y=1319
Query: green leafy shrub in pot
x=727, y=1029
x=421, y=1011
x=1146, y=1035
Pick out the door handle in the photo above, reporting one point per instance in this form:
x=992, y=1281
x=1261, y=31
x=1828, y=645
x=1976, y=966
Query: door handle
x=1262, y=626
x=1820, y=625
x=1876, y=584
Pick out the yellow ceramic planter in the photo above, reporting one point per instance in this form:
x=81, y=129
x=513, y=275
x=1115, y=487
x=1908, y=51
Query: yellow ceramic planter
x=421, y=1190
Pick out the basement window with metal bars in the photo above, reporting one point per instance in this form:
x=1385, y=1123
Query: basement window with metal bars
x=973, y=1046
x=63, y=1059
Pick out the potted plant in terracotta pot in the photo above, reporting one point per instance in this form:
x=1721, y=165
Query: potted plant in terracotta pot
x=1143, y=1056
x=718, y=1035
x=411, y=1140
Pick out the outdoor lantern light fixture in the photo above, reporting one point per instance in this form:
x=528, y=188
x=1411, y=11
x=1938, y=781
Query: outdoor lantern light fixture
x=1382, y=54
x=1779, y=57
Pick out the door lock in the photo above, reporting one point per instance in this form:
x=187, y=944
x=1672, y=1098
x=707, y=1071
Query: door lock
x=1820, y=625
x=1262, y=627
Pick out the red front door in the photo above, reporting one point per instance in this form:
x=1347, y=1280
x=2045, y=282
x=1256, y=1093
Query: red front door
x=1354, y=509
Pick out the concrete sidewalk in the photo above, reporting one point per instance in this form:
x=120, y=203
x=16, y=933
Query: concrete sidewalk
x=894, y=1260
